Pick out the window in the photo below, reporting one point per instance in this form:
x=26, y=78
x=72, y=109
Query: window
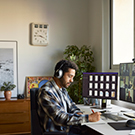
x=122, y=31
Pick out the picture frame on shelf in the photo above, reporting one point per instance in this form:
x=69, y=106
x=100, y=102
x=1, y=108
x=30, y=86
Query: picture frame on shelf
x=8, y=65
x=33, y=82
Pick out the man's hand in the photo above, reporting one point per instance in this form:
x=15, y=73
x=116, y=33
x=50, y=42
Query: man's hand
x=94, y=117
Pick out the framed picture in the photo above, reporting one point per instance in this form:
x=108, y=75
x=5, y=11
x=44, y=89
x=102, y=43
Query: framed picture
x=8, y=65
x=33, y=82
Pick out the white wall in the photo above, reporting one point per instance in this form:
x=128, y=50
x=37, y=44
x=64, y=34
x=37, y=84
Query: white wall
x=95, y=31
x=99, y=37
x=68, y=21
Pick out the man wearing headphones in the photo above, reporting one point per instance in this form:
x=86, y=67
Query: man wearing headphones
x=57, y=111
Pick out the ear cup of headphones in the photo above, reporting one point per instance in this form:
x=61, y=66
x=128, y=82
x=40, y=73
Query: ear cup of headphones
x=59, y=74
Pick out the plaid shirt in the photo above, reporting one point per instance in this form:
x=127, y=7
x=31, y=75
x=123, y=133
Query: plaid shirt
x=57, y=113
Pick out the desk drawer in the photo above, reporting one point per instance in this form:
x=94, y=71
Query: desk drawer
x=14, y=128
x=14, y=106
x=14, y=117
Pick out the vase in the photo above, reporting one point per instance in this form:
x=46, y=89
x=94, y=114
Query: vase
x=7, y=94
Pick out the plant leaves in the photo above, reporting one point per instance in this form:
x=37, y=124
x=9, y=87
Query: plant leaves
x=84, y=59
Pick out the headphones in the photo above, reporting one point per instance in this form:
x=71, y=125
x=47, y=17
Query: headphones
x=59, y=71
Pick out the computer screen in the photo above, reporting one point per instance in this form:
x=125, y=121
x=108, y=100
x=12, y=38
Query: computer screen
x=127, y=82
x=102, y=85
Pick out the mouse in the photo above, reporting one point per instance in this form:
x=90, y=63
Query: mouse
x=130, y=123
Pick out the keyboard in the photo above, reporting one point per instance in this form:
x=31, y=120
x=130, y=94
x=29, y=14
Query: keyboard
x=112, y=116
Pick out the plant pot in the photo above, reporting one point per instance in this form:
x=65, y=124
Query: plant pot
x=7, y=94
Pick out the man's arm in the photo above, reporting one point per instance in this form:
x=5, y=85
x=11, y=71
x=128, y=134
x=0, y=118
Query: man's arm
x=72, y=106
x=53, y=109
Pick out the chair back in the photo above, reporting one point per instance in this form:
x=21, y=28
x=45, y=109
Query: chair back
x=42, y=83
x=35, y=124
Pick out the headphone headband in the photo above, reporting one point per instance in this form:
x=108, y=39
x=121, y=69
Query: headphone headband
x=61, y=66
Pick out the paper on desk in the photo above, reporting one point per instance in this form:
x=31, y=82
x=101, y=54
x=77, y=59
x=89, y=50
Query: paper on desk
x=91, y=123
x=132, y=132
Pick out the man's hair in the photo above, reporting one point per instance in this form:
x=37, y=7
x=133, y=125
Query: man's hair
x=64, y=65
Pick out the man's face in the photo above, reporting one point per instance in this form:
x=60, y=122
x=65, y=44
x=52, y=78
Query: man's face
x=67, y=78
x=129, y=93
x=124, y=80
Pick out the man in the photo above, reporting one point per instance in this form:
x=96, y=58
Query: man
x=129, y=98
x=133, y=71
x=56, y=109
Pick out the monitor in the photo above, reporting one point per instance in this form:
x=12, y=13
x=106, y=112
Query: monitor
x=127, y=82
x=102, y=85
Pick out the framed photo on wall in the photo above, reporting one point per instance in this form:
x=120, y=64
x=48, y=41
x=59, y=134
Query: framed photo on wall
x=33, y=82
x=8, y=65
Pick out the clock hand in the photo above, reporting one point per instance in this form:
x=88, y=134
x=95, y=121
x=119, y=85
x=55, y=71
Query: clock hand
x=41, y=36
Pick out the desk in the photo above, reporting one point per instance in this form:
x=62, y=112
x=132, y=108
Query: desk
x=104, y=128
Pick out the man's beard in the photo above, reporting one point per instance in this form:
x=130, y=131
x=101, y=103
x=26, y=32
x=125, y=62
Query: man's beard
x=63, y=83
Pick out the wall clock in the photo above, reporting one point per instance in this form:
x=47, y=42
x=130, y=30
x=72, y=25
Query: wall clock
x=39, y=34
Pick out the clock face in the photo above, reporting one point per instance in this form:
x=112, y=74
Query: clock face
x=39, y=34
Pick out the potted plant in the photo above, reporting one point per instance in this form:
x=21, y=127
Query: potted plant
x=83, y=57
x=7, y=87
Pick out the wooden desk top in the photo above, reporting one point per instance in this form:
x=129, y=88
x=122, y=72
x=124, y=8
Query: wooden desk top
x=13, y=99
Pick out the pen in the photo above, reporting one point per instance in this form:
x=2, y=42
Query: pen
x=92, y=110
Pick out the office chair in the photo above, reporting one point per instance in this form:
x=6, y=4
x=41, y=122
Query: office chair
x=35, y=124
x=42, y=83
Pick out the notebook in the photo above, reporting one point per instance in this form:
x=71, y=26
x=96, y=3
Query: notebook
x=131, y=115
